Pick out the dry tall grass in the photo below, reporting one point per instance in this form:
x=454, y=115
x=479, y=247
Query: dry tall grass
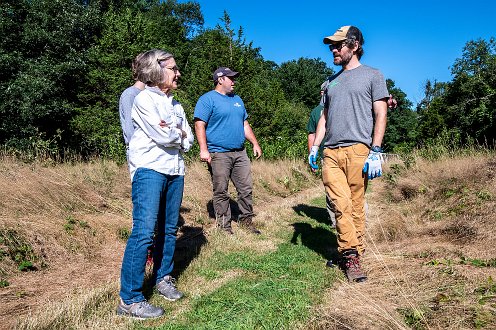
x=70, y=222
x=429, y=229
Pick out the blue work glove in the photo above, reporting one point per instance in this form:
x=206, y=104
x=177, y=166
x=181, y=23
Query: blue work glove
x=312, y=157
x=373, y=163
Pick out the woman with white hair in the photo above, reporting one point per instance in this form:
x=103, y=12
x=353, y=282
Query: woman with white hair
x=161, y=136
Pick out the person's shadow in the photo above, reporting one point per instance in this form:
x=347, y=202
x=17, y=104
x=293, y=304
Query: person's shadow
x=319, y=239
x=188, y=246
x=319, y=214
x=232, y=204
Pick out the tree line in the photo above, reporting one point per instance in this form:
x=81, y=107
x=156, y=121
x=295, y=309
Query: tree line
x=64, y=63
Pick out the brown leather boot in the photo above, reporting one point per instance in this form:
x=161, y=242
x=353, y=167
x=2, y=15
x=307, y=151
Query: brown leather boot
x=247, y=223
x=224, y=224
x=350, y=263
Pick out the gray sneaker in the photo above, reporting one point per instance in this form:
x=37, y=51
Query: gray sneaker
x=167, y=289
x=141, y=310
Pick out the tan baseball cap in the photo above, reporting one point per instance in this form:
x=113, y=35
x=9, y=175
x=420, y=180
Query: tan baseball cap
x=343, y=33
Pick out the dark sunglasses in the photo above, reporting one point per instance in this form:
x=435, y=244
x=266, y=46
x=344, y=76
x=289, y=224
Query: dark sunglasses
x=337, y=46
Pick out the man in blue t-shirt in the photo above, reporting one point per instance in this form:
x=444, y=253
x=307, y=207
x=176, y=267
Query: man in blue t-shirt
x=221, y=128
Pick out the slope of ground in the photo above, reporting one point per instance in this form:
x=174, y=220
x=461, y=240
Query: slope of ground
x=430, y=257
x=63, y=228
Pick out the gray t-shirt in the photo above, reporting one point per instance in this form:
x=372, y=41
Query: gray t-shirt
x=125, y=105
x=349, y=97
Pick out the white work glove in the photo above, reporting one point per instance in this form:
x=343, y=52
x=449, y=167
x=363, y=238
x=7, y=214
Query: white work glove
x=312, y=157
x=373, y=163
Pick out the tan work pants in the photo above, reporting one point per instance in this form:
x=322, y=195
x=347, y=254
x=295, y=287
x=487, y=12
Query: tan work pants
x=345, y=184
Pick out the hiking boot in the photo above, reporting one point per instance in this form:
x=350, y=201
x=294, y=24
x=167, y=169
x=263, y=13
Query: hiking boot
x=167, y=289
x=141, y=310
x=224, y=224
x=248, y=224
x=227, y=230
x=350, y=263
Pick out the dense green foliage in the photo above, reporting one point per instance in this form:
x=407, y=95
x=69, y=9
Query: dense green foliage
x=462, y=110
x=64, y=63
x=299, y=79
x=466, y=106
x=401, y=133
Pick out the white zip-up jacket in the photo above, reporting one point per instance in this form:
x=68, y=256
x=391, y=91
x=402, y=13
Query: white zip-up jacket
x=155, y=147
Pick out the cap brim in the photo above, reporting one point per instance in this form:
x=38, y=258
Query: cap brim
x=333, y=39
x=232, y=74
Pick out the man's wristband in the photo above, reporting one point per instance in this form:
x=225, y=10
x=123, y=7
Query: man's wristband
x=376, y=149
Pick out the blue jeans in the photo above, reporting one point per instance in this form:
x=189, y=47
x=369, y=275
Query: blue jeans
x=156, y=198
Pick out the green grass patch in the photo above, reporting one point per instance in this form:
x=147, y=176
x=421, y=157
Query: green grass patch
x=478, y=262
x=319, y=201
x=71, y=224
x=17, y=247
x=463, y=261
x=414, y=317
x=274, y=290
x=123, y=233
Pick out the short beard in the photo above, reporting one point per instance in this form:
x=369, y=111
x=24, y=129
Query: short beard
x=344, y=59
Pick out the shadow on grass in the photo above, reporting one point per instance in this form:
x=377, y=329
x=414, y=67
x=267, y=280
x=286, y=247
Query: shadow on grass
x=316, y=213
x=317, y=239
x=188, y=246
x=232, y=204
x=321, y=240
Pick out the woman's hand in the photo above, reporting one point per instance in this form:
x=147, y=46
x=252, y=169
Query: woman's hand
x=164, y=124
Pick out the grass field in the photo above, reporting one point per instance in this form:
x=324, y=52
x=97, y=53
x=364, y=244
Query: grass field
x=431, y=257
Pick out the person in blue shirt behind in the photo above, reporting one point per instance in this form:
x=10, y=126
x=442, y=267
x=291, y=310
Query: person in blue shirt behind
x=221, y=128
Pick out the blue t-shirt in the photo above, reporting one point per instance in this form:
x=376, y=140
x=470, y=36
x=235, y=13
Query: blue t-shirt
x=224, y=116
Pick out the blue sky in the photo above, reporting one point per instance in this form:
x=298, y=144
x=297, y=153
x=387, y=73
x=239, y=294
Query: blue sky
x=409, y=41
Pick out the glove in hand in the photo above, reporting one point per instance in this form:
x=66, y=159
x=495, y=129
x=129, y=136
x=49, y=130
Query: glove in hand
x=312, y=157
x=373, y=165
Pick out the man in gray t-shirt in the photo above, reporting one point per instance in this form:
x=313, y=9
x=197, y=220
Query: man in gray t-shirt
x=353, y=124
